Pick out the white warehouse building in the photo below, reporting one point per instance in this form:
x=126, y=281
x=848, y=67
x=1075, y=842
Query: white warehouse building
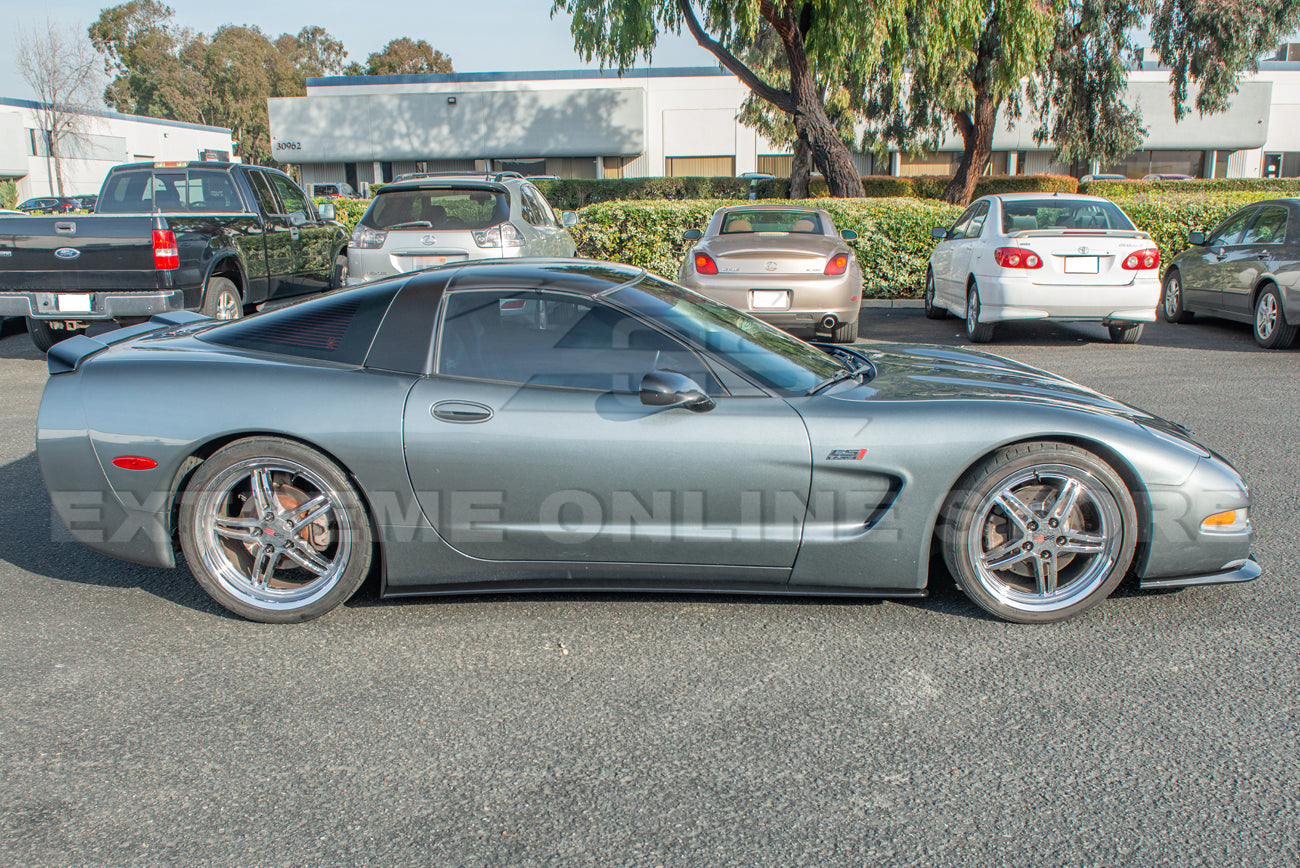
x=106, y=139
x=680, y=122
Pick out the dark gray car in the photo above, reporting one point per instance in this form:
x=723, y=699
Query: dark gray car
x=1246, y=269
x=565, y=425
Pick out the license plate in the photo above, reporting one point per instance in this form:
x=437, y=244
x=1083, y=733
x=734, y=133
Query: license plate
x=769, y=299
x=1081, y=265
x=75, y=304
x=430, y=261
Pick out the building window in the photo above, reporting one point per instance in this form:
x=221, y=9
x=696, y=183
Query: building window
x=701, y=167
x=1142, y=163
x=776, y=165
x=524, y=167
x=938, y=163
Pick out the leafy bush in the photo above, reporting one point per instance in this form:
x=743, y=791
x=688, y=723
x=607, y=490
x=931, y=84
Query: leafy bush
x=893, y=243
x=8, y=193
x=1263, y=187
x=932, y=186
x=347, y=211
x=572, y=193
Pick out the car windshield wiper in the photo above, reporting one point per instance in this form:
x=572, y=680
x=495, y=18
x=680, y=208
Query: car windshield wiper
x=412, y=224
x=838, y=377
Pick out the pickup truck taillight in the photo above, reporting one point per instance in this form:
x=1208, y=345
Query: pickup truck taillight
x=165, y=254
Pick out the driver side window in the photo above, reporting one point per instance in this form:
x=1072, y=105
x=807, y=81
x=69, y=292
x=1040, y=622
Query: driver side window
x=958, y=229
x=1231, y=229
x=551, y=339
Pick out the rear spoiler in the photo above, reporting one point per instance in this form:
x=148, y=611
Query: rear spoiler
x=67, y=356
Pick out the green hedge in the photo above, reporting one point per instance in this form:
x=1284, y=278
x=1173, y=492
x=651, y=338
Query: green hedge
x=347, y=211
x=570, y=194
x=1263, y=187
x=932, y=186
x=893, y=242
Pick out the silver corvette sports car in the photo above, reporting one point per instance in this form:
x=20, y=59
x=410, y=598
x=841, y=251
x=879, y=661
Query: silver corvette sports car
x=561, y=424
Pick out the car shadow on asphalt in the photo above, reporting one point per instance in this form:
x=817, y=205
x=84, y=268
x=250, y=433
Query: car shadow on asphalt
x=33, y=539
x=909, y=325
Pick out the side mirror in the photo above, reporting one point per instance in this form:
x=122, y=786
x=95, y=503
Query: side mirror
x=849, y=235
x=671, y=389
x=327, y=211
x=940, y=233
x=569, y=218
x=1196, y=239
x=692, y=235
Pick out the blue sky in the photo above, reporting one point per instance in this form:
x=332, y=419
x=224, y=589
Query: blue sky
x=480, y=36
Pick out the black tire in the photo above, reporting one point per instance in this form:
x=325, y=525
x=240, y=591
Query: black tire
x=1125, y=334
x=845, y=333
x=257, y=545
x=339, y=275
x=1171, y=299
x=45, y=337
x=222, y=300
x=978, y=332
x=932, y=311
x=1270, y=326
x=1039, y=532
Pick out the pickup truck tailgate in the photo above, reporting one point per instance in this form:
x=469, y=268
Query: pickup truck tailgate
x=77, y=252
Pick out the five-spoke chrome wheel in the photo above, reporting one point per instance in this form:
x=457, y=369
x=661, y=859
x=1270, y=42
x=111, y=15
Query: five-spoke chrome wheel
x=1040, y=532
x=1271, y=328
x=273, y=531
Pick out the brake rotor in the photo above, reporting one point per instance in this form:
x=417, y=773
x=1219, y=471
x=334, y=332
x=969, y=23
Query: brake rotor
x=317, y=534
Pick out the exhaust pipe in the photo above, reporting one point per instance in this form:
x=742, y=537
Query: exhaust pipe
x=829, y=322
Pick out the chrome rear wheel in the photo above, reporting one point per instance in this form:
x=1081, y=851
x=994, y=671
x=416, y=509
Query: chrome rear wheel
x=274, y=532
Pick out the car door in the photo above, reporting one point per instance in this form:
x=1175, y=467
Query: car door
x=941, y=261
x=1261, y=241
x=1205, y=276
x=311, y=237
x=530, y=443
x=281, y=259
x=964, y=251
x=541, y=240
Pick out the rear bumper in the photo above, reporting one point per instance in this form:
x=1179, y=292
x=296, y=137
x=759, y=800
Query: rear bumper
x=810, y=298
x=1017, y=298
x=104, y=305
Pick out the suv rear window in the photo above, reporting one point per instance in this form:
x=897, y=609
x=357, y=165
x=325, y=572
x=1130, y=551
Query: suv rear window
x=437, y=209
x=141, y=191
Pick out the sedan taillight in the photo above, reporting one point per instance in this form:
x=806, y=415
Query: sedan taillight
x=1016, y=257
x=166, y=256
x=704, y=264
x=1142, y=260
x=838, y=265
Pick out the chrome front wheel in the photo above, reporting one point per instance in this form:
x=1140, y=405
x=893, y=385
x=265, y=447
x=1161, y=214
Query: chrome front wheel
x=1040, y=532
x=274, y=532
x=1271, y=328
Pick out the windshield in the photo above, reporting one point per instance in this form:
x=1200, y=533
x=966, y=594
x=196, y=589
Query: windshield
x=439, y=209
x=1028, y=214
x=767, y=220
x=763, y=352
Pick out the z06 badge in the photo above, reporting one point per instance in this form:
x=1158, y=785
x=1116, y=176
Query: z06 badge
x=846, y=455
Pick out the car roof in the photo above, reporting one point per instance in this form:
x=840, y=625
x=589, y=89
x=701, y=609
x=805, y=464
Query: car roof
x=583, y=276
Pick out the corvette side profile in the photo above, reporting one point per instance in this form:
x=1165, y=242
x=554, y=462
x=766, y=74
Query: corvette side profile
x=568, y=424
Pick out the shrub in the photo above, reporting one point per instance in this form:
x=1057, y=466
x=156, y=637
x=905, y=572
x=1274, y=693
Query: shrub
x=932, y=186
x=893, y=243
x=8, y=193
x=571, y=194
x=347, y=211
x=1263, y=188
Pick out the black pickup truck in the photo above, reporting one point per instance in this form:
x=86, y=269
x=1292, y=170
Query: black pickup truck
x=218, y=238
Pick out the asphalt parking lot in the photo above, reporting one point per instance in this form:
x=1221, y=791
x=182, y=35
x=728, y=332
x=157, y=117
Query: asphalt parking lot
x=142, y=725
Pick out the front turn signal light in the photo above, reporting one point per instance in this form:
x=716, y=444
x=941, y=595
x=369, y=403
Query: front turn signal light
x=1231, y=521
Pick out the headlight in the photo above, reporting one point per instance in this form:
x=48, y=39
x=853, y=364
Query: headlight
x=1232, y=521
x=1181, y=442
x=365, y=238
x=504, y=235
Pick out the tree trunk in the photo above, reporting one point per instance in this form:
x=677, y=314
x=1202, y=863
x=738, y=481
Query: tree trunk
x=800, y=168
x=58, y=162
x=976, y=130
x=829, y=153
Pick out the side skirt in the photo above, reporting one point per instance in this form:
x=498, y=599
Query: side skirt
x=647, y=587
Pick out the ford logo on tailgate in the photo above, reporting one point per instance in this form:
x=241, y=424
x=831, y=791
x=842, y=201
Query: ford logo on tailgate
x=67, y=253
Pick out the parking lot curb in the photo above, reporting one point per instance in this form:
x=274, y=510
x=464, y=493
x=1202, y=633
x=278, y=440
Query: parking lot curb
x=892, y=302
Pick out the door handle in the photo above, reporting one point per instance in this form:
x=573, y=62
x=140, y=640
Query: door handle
x=461, y=411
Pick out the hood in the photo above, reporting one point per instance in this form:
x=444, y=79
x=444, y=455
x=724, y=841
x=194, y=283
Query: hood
x=908, y=372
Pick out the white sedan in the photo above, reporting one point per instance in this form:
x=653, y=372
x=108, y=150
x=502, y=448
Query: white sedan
x=1034, y=256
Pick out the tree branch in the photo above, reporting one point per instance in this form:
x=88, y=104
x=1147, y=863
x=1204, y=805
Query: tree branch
x=782, y=99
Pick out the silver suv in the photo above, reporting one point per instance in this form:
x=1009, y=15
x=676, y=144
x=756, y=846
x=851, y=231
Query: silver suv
x=419, y=221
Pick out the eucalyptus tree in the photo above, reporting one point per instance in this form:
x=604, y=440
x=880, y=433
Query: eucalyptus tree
x=844, y=35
